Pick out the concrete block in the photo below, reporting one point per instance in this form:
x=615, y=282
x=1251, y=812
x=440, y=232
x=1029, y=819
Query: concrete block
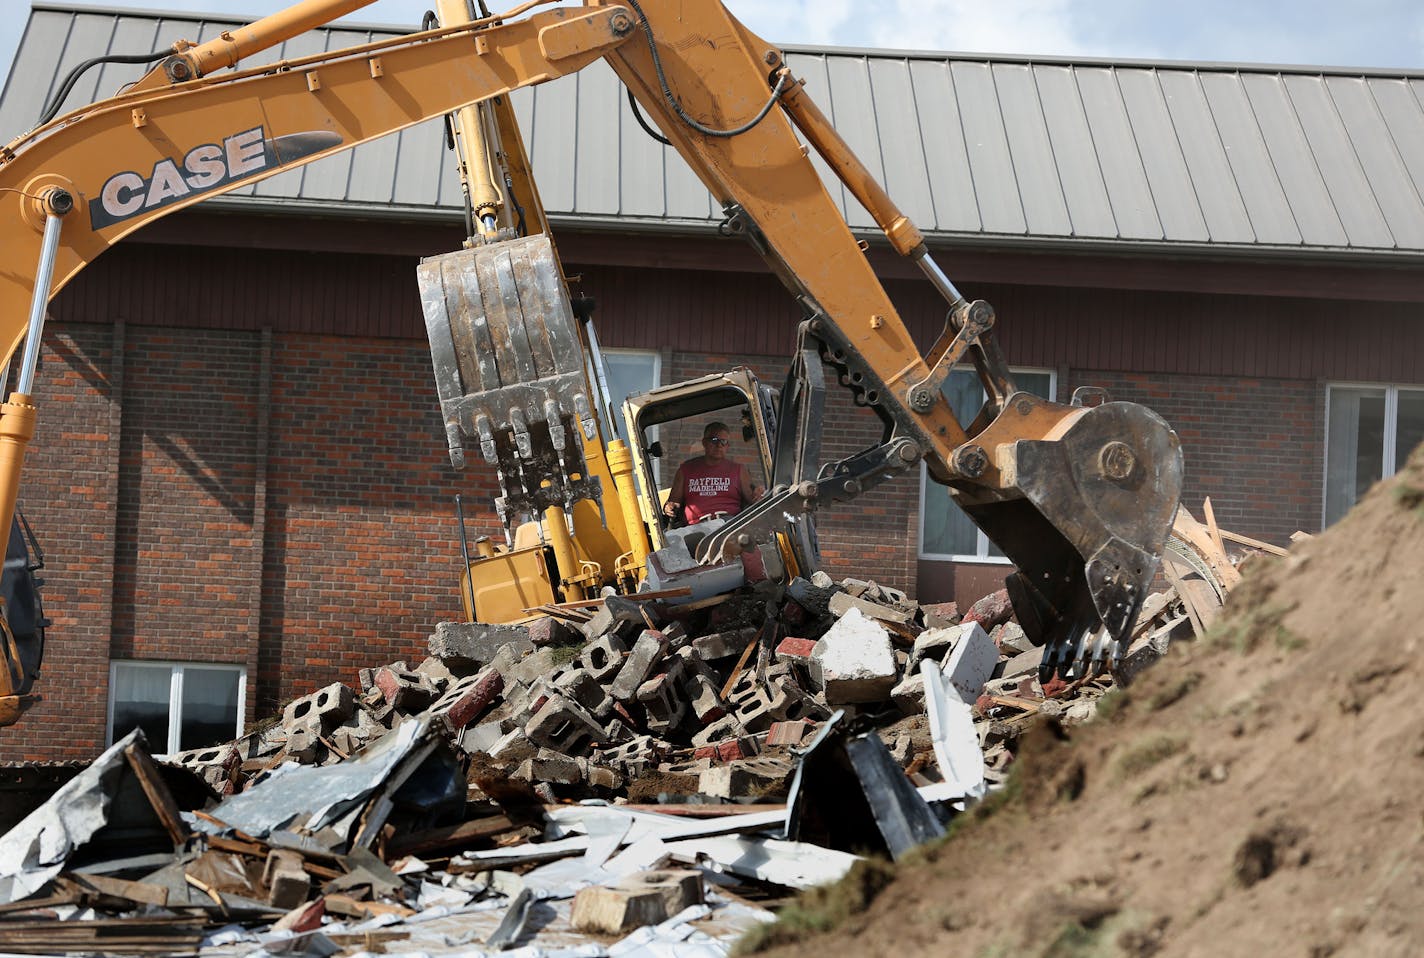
x=744, y=779
x=468, y=698
x=603, y=657
x=994, y=609
x=646, y=898
x=789, y=733
x=467, y=647
x=550, y=766
x=663, y=699
x=794, y=651
x=564, y=726
x=704, y=698
x=1010, y=639
x=940, y=615
x=304, y=745
x=815, y=599
x=479, y=739
x=407, y=692
x=909, y=695
x=843, y=602
x=602, y=623
x=971, y=663
x=647, y=653
x=438, y=672
x=853, y=662
x=513, y=747
x=723, y=645
x=597, y=776
x=1024, y=663
x=552, y=631
x=730, y=750
x=287, y=882
x=632, y=757
x=729, y=726
x=532, y=668
x=324, y=709
x=578, y=685
x=367, y=679
x=933, y=644
x=822, y=580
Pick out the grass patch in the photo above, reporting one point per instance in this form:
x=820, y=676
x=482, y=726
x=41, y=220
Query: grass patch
x=822, y=909
x=1148, y=752
x=1112, y=704
x=1173, y=693
x=1410, y=498
x=562, y=655
x=1246, y=630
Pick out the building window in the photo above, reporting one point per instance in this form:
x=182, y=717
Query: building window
x=1369, y=433
x=629, y=371
x=179, y=706
x=945, y=531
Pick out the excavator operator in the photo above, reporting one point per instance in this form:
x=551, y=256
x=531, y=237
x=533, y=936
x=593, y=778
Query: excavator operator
x=711, y=484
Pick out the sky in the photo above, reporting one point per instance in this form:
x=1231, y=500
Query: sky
x=1349, y=33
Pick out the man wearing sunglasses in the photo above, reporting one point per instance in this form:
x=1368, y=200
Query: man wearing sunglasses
x=711, y=483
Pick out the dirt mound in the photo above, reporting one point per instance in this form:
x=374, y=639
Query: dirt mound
x=1257, y=794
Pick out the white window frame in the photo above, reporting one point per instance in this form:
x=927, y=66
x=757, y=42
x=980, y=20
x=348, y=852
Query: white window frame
x=175, y=696
x=981, y=541
x=1389, y=463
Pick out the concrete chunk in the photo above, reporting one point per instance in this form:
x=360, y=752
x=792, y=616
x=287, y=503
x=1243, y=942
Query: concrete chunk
x=723, y=645
x=564, y=726
x=287, y=882
x=972, y=662
x=933, y=644
x=466, y=647
x=406, y=692
x=323, y=710
x=854, y=662
x=552, y=631
x=842, y=602
x=647, y=898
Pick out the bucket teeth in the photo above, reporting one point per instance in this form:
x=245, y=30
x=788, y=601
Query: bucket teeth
x=509, y=370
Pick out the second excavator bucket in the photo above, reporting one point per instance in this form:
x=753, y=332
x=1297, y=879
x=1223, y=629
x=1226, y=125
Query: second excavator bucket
x=1097, y=503
x=509, y=370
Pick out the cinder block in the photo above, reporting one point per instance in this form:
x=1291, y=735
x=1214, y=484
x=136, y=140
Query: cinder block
x=1011, y=639
x=564, y=726
x=603, y=657
x=729, y=726
x=933, y=644
x=532, y=668
x=407, y=692
x=745, y=778
x=971, y=663
x=723, y=645
x=647, y=898
x=324, y=709
x=647, y=653
x=662, y=698
x=438, y=672
x=549, y=766
x=633, y=757
x=578, y=685
x=853, y=662
x=287, y=882
x=790, y=733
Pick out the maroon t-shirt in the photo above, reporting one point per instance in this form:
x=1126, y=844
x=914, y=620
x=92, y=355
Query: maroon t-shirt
x=711, y=488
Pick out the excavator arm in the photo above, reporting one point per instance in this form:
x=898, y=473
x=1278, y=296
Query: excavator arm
x=1080, y=499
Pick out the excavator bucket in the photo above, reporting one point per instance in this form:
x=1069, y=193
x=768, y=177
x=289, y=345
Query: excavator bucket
x=1097, y=504
x=509, y=370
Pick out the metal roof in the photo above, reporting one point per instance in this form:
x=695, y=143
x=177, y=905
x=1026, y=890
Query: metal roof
x=1004, y=150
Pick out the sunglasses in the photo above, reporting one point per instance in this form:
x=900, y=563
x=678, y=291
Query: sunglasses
x=718, y=442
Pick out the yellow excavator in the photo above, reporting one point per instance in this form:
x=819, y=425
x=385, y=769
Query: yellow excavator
x=1079, y=498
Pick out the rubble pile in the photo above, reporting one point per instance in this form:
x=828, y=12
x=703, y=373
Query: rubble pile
x=725, y=751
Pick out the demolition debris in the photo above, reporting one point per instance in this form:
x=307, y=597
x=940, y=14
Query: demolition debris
x=610, y=779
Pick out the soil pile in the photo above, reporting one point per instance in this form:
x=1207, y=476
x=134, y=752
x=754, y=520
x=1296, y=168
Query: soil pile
x=1258, y=793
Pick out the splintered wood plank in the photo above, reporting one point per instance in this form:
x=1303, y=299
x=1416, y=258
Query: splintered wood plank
x=1253, y=543
x=158, y=794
